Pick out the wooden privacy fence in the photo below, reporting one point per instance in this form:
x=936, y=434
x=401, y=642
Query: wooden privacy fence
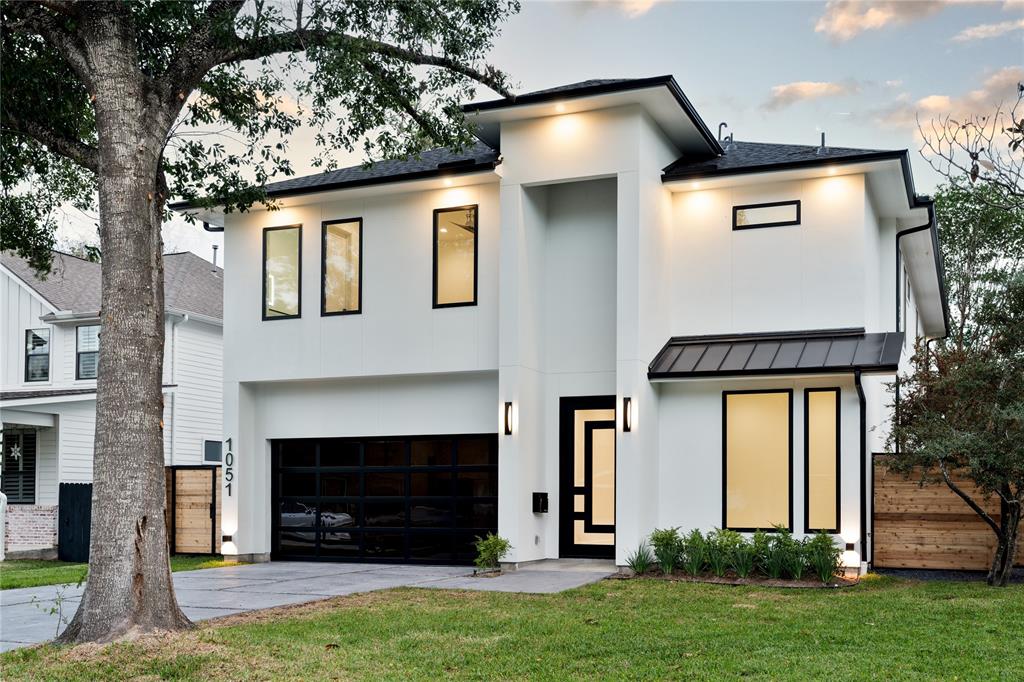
x=193, y=509
x=930, y=526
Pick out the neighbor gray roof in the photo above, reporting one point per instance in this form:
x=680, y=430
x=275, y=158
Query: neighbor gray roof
x=764, y=156
x=191, y=284
x=827, y=351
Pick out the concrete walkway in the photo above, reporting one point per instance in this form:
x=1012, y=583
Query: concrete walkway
x=214, y=592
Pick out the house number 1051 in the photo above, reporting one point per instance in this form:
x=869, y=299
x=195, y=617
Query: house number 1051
x=229, y=468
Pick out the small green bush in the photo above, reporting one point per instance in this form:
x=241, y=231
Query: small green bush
x=823, y=557
x=720, y=546
x=641, y=560
x=797, y=563
x=490, y=550
x=783, y=552
x=760, y=543
x=666, y=543
x=694, y=554
x=743, y=559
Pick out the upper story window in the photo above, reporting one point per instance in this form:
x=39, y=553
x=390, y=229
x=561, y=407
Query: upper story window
x=775, y=214
x=341, y=267
x=282, y=272
x=455, y=256
x=37, y=355
x=757, y=459
x=87, y=351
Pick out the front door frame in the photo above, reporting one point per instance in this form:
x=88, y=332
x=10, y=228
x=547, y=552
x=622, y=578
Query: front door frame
x=566, y=484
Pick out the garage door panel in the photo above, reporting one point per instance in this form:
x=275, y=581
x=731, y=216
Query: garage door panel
x=410, y=499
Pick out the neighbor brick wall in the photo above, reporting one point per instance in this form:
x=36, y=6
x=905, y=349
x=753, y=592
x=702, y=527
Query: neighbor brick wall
x=30, y=526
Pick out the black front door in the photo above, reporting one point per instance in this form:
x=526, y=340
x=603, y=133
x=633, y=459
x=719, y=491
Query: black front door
x=587, y=480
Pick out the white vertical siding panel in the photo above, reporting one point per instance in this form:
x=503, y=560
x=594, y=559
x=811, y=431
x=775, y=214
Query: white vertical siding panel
x=46, y=466
x=198, y=397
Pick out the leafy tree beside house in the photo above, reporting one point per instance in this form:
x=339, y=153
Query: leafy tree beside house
x=961, y=407
x=124, y=104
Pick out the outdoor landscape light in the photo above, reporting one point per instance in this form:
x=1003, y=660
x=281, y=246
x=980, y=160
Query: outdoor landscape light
x=627, y=414
x=508, y=418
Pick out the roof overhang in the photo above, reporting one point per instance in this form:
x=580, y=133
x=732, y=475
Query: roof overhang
x=213, y=218
x=918, y=247
x=660, y=96
x=819, y=352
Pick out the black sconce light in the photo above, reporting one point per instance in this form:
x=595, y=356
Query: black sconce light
x=226, y=538
x=508, y=418
x=627, y=414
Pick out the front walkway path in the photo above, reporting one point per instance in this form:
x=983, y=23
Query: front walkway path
x=214, y=592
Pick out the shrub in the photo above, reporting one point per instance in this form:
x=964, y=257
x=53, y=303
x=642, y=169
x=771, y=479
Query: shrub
x=823, y=557
x=694, y=553
x=743, y=558
x=760, y=543
x=641, y=560
x=797, y=563
x=490, y=550
x=720, y=546
x=666, y=543
x=781, y=550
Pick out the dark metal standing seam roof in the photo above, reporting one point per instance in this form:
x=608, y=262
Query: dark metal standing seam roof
x=830, y=351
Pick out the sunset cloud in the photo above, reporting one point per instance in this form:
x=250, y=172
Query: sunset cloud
x=986, y=31
x=846, y=19
x=788, y=94
x=1000, y=86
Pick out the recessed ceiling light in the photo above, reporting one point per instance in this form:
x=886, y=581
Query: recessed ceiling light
x=560, y=108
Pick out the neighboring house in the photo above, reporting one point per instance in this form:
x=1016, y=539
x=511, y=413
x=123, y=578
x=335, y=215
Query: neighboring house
x=599, y=321
x=50, y=339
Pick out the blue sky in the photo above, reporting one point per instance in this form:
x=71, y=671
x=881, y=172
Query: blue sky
x=775, y=71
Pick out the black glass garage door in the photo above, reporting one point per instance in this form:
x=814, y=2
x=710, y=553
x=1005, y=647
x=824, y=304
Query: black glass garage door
x=422, y=499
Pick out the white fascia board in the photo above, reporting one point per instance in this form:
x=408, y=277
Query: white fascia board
x=27, y=418
x=918, y=254
x=68, y=317
x=42, y=401
x=195, y=317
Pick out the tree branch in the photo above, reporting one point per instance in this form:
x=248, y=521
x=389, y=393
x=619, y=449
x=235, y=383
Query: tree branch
x=34, y=19
x=970, y=503
x=83, y=154
x=294, y=41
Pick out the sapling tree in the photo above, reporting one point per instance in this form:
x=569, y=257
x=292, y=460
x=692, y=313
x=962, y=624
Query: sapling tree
x=120, y=105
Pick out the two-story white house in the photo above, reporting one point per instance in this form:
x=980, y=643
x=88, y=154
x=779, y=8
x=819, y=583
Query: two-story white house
x=598, y=321
x=50, y=341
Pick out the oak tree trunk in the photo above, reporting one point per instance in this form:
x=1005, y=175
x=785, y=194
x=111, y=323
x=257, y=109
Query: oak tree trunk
x=129, y=588
x=1006, y=551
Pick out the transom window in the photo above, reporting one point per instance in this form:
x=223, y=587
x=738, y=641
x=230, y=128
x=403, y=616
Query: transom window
x=37, y=355
x=87, y=354
x=774, y=214
x=757, y=459
x=282, y=272
x=455, y=256
x=341, y=267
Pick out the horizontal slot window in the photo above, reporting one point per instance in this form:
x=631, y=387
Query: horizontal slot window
x=776, y=214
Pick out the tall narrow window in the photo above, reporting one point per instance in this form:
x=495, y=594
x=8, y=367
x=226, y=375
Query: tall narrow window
x=37, y=355
x=455, y=256
x=341, y=267
x=18, y=480
x=821, y=459
x=87, y=353
x=757, y=459
x=282, y=272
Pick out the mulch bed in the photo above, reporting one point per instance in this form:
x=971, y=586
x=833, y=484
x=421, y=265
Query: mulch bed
x=753, y=580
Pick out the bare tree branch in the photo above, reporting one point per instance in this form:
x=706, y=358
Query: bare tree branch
x=34, y=18
x=970, y=502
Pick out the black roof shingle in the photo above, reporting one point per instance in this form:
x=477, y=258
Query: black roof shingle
x=762, y=156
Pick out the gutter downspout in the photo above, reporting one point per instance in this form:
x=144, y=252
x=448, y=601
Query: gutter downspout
x=863, y=459
x=173, y=380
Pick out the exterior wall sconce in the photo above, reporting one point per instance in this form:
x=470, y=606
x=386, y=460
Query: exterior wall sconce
x=508, y=418
x=627, y=414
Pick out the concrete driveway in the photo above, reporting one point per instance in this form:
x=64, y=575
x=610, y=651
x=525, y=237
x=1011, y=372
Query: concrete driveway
x=214, y=592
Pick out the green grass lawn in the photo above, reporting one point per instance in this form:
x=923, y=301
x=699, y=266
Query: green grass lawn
x=640, y=629
x=36, y=572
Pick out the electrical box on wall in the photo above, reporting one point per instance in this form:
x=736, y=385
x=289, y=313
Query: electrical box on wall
x=540, y=503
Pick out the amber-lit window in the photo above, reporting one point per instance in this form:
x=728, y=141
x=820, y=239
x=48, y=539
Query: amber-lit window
x=455, y=256
x=757, y=459
x=341, y=267
x=821, y=459
x=282, y=272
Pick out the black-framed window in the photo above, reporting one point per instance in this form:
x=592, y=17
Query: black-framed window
x=341, y=266
x=757, y=459
x=821, y=459
x=213, y=451
x=456, y=248
x=773, y=214
x=37, y=355
x=18, y=474
x=87, y=351
x=282, y=272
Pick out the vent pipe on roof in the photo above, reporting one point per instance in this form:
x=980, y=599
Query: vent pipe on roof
x=730, y=144
x=721, y=125
x=215, y=247
x=822, y=149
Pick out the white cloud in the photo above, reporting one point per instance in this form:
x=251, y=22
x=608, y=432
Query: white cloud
x=846, y=19
x=1000, y=86
x=631, y=8
x=788, y=94
x=986, y=31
